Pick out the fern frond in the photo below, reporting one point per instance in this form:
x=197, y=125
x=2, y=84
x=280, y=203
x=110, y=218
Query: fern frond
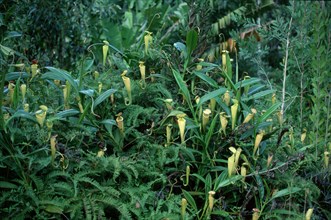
x=75, y=209
x=226, y=20
x=87, y=208
x=63, y=188
x=92, y=182
x=57, y=173
x=117, y=168
x=30, y=193
x=133, y=170
x=122, y=208
x=37, y=181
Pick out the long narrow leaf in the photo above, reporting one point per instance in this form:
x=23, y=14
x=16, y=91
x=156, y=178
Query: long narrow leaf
x=199, y=177
x=66, y=113
x=103, y=96
x=206, y=78
x=211, y=130
x=7, y=185
x=285, y=192
x=191, y=41
x=247, y=82
x=227, y=182
x=190, y=200
x=258, y=95
x=183, y=88
x=22, y=114
x=211, y=95
x=108, y=122
x=255, y=89
x=171, y=114
x=269, y=112
x=15, y=75
x=60, y=75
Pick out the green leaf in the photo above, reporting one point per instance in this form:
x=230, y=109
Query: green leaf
x=109, y=122
x=285, y=192
x=16, y=98
x=247, y=82
x=116, y=49
x=88, y=63
x=229, y=69
x=206, y=78
x=210, y=131
x=103, y=96
x=190, y=200
x=227, y=182
x=221, y=213
x=206, y=64
x=180, y=46
x=67, y=113
x=191, y=41
x=189, y=152
x=6, y=50
x=12, y=34
x=60, y=75
x=208, y=183
x=16, y=75
x=269, y=112
x=260, y=187
x=171, y=114
x=88, y=92
x=211, y=95
x=22, y=114
x=258, y=95
x=7, y=185
x=54, y=209
x=199, y=177
x=254, y=89
x=183, y=88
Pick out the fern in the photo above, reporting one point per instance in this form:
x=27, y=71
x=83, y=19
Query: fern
x=63, y=189
x=87, y=208
x=92, y=182
x=116, y=204
x=39, y=184
x=226, y=20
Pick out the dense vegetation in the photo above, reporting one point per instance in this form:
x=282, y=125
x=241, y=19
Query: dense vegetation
x=165, y=109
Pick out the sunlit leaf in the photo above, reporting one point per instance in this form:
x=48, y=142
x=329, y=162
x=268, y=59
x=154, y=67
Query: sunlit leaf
x=88, y=92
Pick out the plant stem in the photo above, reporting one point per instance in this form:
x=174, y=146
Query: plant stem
x=285, y=164
x=285, y=69
x=2, y=85
x=328, y=102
